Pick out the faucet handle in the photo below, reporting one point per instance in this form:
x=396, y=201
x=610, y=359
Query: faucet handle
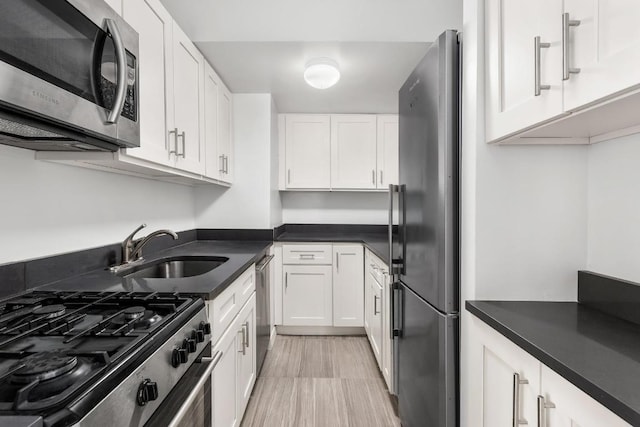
x=130, y=236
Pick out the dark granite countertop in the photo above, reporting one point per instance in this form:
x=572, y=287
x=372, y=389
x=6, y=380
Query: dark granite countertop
x=378, y=243
x=598, y=353
x=241, y=255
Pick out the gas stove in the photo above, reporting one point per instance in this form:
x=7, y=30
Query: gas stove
x=76, y=357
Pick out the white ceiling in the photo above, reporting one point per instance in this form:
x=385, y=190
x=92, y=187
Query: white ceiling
x=260, y=46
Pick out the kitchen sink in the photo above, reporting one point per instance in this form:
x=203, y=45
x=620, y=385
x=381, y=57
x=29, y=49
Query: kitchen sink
x=174, y=268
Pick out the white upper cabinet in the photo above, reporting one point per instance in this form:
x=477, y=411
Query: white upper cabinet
x=338, y=151
x=348, y=285
x=577, y=84
x=604, y=46
x=154, y=26
x=213, y=161
x=353, y=151
x=225, y=133
x=188, y=103
x=387, y=152
x=308, y=151
x=517, y=95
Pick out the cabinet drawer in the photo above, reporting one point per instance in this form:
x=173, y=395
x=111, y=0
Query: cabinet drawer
x=307, y=254
x=227, y=305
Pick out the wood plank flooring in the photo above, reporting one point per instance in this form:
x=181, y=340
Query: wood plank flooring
x=320, y=381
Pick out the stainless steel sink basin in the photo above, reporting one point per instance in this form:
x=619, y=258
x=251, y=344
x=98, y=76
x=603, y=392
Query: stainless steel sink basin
x=174, y=268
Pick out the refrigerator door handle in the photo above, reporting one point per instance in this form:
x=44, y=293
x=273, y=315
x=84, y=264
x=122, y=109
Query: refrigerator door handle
x=402, y=229
x=392, y=191
x=397, y=317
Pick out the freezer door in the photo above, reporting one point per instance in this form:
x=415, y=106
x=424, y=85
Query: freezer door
x=429, y=169
x=427, y=355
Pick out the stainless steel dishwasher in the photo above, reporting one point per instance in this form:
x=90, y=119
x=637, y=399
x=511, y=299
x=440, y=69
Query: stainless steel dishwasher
x=263, y=313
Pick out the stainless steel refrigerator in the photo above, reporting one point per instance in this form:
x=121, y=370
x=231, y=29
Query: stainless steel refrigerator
x=426, y=248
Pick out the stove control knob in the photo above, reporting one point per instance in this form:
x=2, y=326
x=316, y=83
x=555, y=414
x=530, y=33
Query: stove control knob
x=190, y=345
x=205, y=327
x=179, y=356
x=198, y=335
x=147, y=392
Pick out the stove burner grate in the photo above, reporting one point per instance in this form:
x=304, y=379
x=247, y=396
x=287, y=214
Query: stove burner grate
x=44, y=366
x=135, y=312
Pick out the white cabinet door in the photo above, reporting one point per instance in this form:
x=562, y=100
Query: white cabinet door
x=224, y=381
x=213, y=161
x=605, y=46
x=246, y=354
x=511, y=101
x=388, y=151
x=225, y=133
x=307, y=299
x=572, y=407
x=188, y=103
x=154, y=26
x=348, y=285
x=376, y=321
x=503, y=363
x=353, y=151
x=307, y=151
x=368, y=298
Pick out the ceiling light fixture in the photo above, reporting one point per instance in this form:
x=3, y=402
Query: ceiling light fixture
x=321, y=73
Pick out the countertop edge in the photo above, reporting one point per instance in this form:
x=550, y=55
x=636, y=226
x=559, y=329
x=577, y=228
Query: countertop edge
x=330, y=239
x=619, y=408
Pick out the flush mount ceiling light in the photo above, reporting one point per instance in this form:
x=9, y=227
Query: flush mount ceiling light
x=321, y=73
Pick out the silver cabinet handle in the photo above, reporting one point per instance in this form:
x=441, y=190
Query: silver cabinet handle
x=226, y=164
x=288, y=176
x=175, y=140
x=246, y=325
x=373, y=176
x=244, y=339
x=337, y=261
x=542, y=411
x=517, y=382
x=381, y=180
x=221, y=170
x=537, y=46
x=307, y=256
x=184, y=145
x=567, y=23
x=375, y=305
x=286, y=281
x=121, y=65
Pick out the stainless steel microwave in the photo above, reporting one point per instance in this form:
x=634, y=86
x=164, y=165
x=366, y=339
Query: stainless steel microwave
x=68, y=76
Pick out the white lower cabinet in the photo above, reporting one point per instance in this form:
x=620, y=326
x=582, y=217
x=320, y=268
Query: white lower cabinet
x=377, y=313
x=234, y=376
x=307, y=296
x=348, y=289
x=514, y=384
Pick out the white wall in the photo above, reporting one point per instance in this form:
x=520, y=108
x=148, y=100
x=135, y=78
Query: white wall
x=275, y=199
x=50, y=208
x=334, y=207
x=247, y=204
x=614, y=208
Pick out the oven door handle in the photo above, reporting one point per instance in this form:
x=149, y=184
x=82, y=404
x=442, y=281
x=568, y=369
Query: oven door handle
x=121, y=65
x=213, y=361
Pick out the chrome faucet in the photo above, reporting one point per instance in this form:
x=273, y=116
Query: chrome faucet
x=132, y=249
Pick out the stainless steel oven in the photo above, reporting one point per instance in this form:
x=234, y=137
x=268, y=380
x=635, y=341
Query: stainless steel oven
x=189, y=403
x=68, y=76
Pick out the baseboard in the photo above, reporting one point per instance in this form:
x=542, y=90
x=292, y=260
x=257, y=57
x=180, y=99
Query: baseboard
x=320, y=330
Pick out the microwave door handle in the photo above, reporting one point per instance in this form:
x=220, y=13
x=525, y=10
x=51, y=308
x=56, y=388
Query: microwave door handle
x=121, y=65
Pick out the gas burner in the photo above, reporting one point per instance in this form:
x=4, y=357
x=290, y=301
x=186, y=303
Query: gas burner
x=44, y=366
x=131, y=313
x=50, y=311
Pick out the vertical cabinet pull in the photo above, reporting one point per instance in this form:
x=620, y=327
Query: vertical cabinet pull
x=286, y=281
x=373, y=176
x=244, y=340
x=375, y=305
x=226, y=164
x=337, y=261
x=184, y=145
x=175, y=140
x=542, y=411
x=567, y=23
x=381, y=180
x=288, y=176
x=537, y=47
x=517, y=382
x=246, y=326
x=221, y=170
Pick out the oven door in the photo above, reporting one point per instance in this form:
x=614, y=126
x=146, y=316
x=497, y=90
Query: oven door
x=70, y=62
x=189, y=403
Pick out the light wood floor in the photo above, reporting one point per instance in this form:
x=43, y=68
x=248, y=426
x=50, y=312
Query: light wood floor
x=318, y=382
